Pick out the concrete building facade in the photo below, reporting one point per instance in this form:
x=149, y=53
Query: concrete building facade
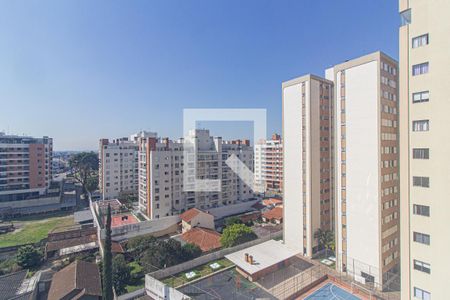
x=424, y=148
x=366, y=167
x=25, y=167
x=269, y=165
x=307, y=146
x=118, y=165
x=161, y=171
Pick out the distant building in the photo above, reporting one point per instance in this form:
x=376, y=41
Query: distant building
x=269, y=165
x=118, y=165
x=26, y=185
x=161, y=167
x=79, y=280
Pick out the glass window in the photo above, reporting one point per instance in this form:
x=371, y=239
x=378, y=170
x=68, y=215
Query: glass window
x=421, y=238
x=421, y=181
x=405, y=17
x=420, y=69
x=421, y=210
x=421, y=153
x=421, y=294
x=420, y=125
x=422, y=266
x=420, y=41
x=421, y=97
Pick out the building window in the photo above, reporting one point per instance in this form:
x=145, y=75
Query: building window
x=421, y=294
x=405, y=17
x=420, y=69
x=422, y=266
x=421, y=181
x=421, y=125
x=421, y=153
x=421, y=238
x=421, y=97
x=420, y=41
x=421, y=210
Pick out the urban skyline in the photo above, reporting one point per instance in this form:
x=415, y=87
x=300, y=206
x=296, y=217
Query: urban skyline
x=70, y=74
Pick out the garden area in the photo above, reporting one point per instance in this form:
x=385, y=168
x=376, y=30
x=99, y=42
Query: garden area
x=196, y=273
x=30, y=230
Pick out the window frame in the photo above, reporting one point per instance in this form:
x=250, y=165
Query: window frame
x=420, y=39
x=422, y=68
x=421, y=95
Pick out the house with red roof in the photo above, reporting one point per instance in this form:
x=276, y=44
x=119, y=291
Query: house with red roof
x=206, y=239
x=275, y=215
x=195, y=217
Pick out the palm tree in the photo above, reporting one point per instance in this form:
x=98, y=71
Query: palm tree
x=325, y=239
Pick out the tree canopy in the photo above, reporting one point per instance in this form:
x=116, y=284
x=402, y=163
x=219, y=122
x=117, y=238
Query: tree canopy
x=121, y=273
x=28, y=257
x=236, y=234
x=84, y=166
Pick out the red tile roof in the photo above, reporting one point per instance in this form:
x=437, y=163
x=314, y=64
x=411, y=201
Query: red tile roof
x=206, y=239
x=117, y=248
x=188, y=215
x=274, y=214
x=272, y=201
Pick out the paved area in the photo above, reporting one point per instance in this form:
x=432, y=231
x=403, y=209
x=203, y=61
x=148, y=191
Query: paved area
x=225, y=285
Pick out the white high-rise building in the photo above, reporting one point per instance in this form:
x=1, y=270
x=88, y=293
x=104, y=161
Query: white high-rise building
x=366, y=168
x=161, y=170
x=118, y=165
x=308, y=158
x=424, y=47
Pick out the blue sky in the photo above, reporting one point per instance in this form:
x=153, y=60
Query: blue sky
x=81, y=70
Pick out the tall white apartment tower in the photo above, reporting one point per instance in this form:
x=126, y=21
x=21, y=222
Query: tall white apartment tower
x=366, y=167
x=424, y=38
x=308, y=156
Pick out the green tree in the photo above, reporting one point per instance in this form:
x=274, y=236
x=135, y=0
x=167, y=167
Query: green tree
x=107, y=260
x=138, y=245
x=325, y=239
x=84, y=166
x=121, y=273
x=236, y=234
x=28, y=257
x=232, y=220
x=190, y=251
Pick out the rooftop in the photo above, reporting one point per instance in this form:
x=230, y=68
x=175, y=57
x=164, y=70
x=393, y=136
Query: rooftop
x=264, y=255
x=206, y=239
x=123, y=219
x=10, y=284
x=274, y=214
x=79, y=279
x=188, y=215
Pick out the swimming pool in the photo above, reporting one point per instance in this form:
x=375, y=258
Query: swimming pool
x=331, y=292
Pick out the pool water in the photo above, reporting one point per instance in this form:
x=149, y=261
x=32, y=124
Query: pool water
x=331, y=292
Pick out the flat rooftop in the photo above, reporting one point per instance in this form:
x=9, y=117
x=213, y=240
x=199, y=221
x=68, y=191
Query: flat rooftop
x=264, y=255
x=123, y=219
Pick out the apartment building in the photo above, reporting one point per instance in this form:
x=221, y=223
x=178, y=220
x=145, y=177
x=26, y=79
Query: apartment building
x=308, y=155
x=161, y=173
x=366, y=167
x=269, y=165
x=25, y=170
x=424, y=148
x=118, y=165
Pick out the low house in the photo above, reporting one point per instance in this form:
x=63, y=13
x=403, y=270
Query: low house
x=71, y=241
x=195, y=217
x=79, y=280
x=275, y=215
x=205, y=239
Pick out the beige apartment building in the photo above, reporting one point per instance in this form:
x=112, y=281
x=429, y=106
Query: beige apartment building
x=366, y=168
x=307, y=147
x=424, y=38
x=269, y=165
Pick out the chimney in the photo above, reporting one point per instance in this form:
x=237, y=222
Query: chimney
x=246, y=257
x=250, y=259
